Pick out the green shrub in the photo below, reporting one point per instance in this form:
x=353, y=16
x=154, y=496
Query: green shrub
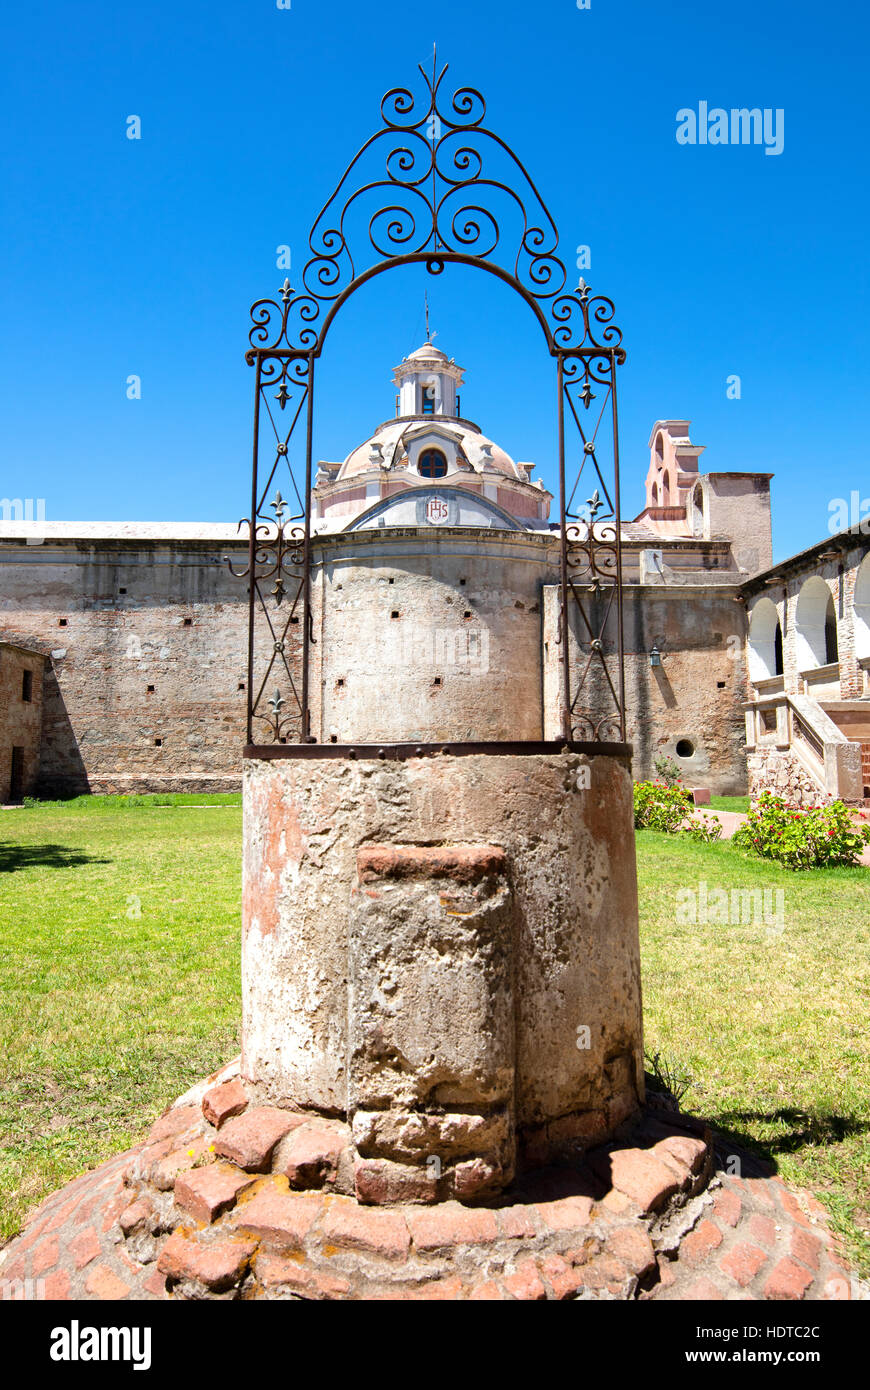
x=665, y=808
x=802, y=839
x=667, y=770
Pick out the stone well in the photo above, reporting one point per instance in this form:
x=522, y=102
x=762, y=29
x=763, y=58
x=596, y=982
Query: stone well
x=443, y=951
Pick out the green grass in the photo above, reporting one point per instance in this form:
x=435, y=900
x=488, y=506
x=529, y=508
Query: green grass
x=106, y=1016
x=773, y=1028
x=729, y=803
x=119, y=978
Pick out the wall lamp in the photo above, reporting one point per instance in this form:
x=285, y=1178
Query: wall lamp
x=655, y=656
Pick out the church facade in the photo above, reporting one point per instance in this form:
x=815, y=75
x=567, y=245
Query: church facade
x=440, y=562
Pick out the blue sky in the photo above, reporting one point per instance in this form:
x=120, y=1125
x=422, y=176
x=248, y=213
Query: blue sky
x=142, y=257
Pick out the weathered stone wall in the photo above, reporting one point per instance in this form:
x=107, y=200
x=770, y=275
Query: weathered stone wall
x=429, y=637
x=780, y=771
x=20, y=719
x=694, y=697
x=444, y=950
x=147, y=646
x=467, y=657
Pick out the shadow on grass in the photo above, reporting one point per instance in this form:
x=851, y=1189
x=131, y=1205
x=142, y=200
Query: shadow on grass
x=799, y=1130
x=13, y=857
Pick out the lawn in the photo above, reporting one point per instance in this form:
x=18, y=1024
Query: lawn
x=119, y=976
x=119, y=987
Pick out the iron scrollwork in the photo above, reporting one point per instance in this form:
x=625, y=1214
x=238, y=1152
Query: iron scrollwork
x=434, y=186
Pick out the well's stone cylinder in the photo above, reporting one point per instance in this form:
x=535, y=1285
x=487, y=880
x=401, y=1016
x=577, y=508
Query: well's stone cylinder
x=444, y=951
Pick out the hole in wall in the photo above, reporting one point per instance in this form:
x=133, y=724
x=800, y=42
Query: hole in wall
x=188, y=622
x=685, y=748
x=150, y=689
x=158, y=743
x=395, y=613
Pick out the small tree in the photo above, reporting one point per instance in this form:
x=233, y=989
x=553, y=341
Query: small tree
x=667, y=770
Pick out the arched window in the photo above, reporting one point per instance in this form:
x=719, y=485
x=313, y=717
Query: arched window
x=765, y=642
x=831, y=652
x=816, y=625
x=698, y=511
x=654, y=494
x=432, y=464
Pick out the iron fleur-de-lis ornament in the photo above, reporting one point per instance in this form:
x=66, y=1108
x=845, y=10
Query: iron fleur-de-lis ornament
x=277, y=703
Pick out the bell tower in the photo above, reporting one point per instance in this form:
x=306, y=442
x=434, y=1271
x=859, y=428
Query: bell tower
x=428, y=383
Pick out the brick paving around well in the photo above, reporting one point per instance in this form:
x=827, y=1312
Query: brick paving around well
x=228, y=1199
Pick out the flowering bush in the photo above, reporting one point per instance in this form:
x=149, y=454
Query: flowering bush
x=658, y=806
x=808, y=839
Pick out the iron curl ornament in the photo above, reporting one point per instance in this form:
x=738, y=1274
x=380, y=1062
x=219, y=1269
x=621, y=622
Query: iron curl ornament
x=435, y=186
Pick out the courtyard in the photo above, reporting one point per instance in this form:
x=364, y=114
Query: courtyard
x=120, y=922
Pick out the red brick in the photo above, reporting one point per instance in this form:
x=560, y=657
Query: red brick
x=349, y=1225
x=787, y=1281
x=221, y=1103
x=565, y=1214
x=474, y=1177
x=450, y=1224
x=55, y=1288
x=464, y=863
x=564, y=1279
x=113, y=1210
x=310, y=1156
x=633, y=1247
x=700, y=1243
x=85, y=1247
x=102, y=1283
x=135, y=1216
x=155, y=1283
x=60, y=1214
x=794, y=1208
x=643, y=1178
x=281, y=1218
x=762, y=1229
x=378, y=1182
x=486, y=1293
x=728, y=1206
x=174, y=1123
x=249, y=1139
x=688, y=1154
x=742, y=1262
x=206, y=1193
x=85, y=1210
x=517, y=1223
x=275, y=1271
x=45, y=1255
x=806, y=1247
x=165, y=1172
x=525, y=1283
x=218, y=1265
x=606, y=1272
x=703, y=1290
x=760, y=1189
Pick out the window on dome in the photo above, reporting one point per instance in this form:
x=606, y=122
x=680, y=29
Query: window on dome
x=432, y=464
x=428, y=398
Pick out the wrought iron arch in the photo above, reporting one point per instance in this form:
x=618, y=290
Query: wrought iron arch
x=435, y=186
